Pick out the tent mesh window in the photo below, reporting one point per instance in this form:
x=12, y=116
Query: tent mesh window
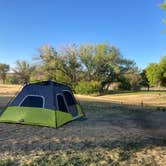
x=61, y=103
x=32, y=101
x=69, y=98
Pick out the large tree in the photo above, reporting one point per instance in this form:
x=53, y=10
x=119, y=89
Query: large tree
x=62, y=66
x=23, y=71
x=47, y=63
x=110, y=66
x=69, y=63
x=4, y=68
x=86, y=54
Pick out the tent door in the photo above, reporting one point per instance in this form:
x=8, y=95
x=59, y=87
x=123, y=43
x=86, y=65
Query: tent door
x=73, y=111
x=62, y=106
x=71, y=102
x=63, y=102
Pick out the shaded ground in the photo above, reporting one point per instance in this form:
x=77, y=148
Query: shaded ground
x=113, y=134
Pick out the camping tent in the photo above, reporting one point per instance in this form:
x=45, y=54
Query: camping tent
x=44, y=103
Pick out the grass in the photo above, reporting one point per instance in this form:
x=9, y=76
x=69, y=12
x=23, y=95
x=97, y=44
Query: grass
x=115, y=134
x=155, y=99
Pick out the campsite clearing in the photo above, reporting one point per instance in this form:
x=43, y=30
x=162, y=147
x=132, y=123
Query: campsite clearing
x=115, y=133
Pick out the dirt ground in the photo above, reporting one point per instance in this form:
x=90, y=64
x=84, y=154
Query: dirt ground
x=113, y=134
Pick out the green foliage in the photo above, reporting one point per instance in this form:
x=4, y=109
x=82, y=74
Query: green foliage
x=69, y=63
x=153, y=73
x=22, y=71
x=100, y=62
x=57, y=66
x=4, y=68
x=144, y=79
x=125, y=84
x=11, y=79
x=163, y=5
x=7, y=163
x=133, y=78
x=85, y=87
x=86, y=56
x=156, y=73
x=75, y=65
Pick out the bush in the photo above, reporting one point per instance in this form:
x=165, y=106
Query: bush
x=11, y=79
x=84, y=87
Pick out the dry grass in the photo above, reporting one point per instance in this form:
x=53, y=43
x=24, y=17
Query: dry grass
x=113, y=134
x=6, y=92
x=9, y=89
x=136, y=98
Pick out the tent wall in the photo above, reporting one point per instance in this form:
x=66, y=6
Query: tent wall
x=47, y=116
x=45, y=91
x=29, y=115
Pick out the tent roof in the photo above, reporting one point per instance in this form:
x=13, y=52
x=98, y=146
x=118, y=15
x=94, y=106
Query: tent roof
x=49, y=82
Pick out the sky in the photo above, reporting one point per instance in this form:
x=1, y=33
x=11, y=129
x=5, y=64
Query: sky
x=134, y=26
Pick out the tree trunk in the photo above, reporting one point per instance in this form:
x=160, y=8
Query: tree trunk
x=148, y=87
x=89, y=76
x=107, y=88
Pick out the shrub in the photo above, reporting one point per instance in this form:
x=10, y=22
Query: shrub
x=11, y=79
x=84, y=87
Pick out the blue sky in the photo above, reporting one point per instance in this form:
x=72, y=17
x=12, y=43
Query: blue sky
x=134, y=26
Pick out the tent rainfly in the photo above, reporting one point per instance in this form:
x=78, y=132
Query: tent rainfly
x=44, y=103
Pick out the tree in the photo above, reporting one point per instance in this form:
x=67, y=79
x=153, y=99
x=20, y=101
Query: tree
x=106, y=62
x=163, y=6
x=101, y=63
x=23, y=71
x=4, y=68
x=87, y=59
x=69, y=63
x=144, y=80
x=154, y=74
x=110, y=66
x=47, y=63
x=133, y=77
x=162, y=65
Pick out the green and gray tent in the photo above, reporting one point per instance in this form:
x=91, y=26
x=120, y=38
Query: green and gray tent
x=44, y=103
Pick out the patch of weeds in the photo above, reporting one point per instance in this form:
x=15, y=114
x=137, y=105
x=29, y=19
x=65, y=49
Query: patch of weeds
x=125, y=155
x=7, y=163
x=49, y=160
x=146, y=162
x=75, y=158
x=75, y=161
